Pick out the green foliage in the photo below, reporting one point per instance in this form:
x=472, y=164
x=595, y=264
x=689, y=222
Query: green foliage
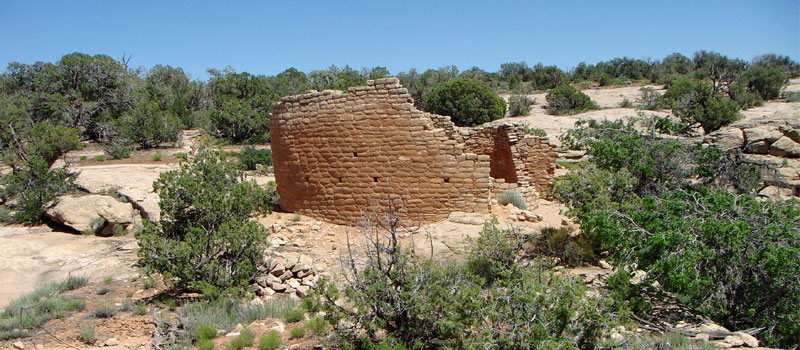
x=205, y=240
x=270, y=341
x=147, y=126
x=33, y=186
x=294, y=315
x=317, y=325
x=625, y=294
x=247, y=336
x=650, y=99
x=696, y=103
x=519, y=105
x=566, y=99
x=666, y=126
x=103, y=290
x=250, y=157
x=140, y=309
x=534, y=131
x=104, y=311
x=297, y=332
x=560, y=244
x=117, y=149
x=236, y=343
x=241, y=107
x=766, y=82
x=512, y=197
x=468, y=102
x=205, y=344
x=31, y=310
x=226, y=313
x=493, y=253
x=734, y=257
x=100, y=158
x=204, y=331
x=423, y=304
x=157, y=157
x=295, y=217
x=87, y=333
x=626, y=103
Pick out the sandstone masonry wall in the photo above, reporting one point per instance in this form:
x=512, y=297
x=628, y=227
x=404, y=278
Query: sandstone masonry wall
x=338, y=153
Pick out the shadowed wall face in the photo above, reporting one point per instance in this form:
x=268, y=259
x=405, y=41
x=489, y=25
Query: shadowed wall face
x=338, y=153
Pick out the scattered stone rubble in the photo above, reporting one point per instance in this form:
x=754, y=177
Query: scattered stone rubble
x=293, y=276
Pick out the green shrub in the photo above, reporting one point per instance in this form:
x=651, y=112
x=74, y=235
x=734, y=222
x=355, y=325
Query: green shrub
x=76, y=304
x=117, y=149
x=204, y=331
x=247, y=336
x=205, y=344
x=569, y=250
x=765, y=82
x=467, y=102
x=650, y=99
x=492, y=253
x=318, y=325
x=103, y=290
x=225, y=313
x=147, y=126
x=534, y=131
x=625, y=294
x=422, y=303
x=566, y=99
x=696, y=103
x=140, y=309
x=33, y=185
x=237, y=343
x=733, y=257
x=100, y=158
x=666, y=126
x=250, y=157
x=82, y=157
x=104, y=311
x=205, y=217
x=297, y=332
x=295, y=217
x=519, y=105
x=87, y=333
x=270, y=341
x=108, y=280
x=294, y=315
x=512, y=197
x=626, y=103
x=157, y=157
x=181, y=156
x=148, y=282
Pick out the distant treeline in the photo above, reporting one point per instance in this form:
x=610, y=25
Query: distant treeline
x=96, y=94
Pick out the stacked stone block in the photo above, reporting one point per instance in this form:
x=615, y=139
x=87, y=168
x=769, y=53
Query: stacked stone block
x=339, y=153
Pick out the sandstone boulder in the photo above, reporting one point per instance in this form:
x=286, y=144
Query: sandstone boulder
x=91, y=212
x=792, y=133
x=785, y=147
x=762, y=133
x=726, y=138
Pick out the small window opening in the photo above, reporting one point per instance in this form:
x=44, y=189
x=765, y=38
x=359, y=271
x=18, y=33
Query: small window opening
x=340, y=179
x=307, y=179
x=355, y=154
x=374, y=179
x=447, y=179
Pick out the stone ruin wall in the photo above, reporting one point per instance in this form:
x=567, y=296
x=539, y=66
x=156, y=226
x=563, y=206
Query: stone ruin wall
x=338, y=153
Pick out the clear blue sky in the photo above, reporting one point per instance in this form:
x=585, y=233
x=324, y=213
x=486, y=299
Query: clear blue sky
x=266, y=37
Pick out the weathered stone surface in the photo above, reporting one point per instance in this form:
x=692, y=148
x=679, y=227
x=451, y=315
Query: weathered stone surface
x=748, y=339
x=82, y=212
x=785, y=147
x=762, y=133
x=467, y=218
x=338, y=153
x=726, y=138
x=790, y=132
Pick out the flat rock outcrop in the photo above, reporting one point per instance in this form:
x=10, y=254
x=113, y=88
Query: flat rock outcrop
x=92, y=213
